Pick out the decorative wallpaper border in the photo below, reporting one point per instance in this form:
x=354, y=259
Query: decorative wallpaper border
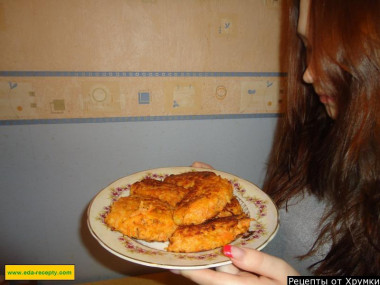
x=135, y=74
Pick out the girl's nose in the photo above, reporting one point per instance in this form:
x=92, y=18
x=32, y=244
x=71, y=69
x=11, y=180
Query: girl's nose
x=307, y=77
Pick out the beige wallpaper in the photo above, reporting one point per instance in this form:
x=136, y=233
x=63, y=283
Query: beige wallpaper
x=132, y=58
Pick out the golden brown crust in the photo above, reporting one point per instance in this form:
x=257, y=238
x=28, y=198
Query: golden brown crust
x=167, y=192
x=209, y=235
x=189, y=179
x=233, y=208
x=208, y=214
x=209, y=195
x=142, y=218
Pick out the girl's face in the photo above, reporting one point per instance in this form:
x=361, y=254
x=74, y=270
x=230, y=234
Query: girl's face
x=308, y=77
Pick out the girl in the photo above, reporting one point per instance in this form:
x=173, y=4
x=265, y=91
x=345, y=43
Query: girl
x=327, y=146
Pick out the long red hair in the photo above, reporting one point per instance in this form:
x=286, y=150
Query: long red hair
x=337, y=160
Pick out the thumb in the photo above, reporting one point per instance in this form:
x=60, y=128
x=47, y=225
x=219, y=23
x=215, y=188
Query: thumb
x=200, y=164
x=260, y=263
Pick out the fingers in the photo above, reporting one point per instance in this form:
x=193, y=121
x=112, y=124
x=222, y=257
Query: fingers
x=200, y=164
x=203, y=276
x=230, y=268
x=261, y=263
x=266, y=269
x=211, y=277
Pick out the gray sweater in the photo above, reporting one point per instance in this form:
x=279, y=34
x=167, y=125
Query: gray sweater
x=298, y=232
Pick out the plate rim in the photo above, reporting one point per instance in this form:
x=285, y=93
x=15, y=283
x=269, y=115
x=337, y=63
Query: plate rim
x=180, y=267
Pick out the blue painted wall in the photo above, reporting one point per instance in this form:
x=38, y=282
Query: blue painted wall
x=50, y=172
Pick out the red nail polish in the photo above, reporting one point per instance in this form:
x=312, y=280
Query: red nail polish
x=227, y=250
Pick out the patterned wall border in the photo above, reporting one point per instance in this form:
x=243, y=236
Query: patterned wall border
x=136, y=74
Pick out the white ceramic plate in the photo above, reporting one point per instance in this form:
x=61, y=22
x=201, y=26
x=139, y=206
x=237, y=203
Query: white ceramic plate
x=254, y=202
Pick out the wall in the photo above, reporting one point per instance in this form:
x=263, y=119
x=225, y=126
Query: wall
x=49, y=174
x=91, y=91
x=126, y=58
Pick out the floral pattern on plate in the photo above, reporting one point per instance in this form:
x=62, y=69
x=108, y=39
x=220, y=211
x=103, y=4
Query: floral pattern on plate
x=253, y=201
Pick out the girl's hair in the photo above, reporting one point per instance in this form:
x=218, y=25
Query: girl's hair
x=337, y=160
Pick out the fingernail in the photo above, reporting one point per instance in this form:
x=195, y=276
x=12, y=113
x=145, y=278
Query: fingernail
x=175, y=271
x=233, y=251
x=227, y=251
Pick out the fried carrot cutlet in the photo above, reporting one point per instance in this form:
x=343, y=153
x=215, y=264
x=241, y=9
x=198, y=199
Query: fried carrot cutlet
x=142, y=218
x=233, y=208
x=167, y=192
x=209, y=235
x=206, y=199
x=188, y=179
